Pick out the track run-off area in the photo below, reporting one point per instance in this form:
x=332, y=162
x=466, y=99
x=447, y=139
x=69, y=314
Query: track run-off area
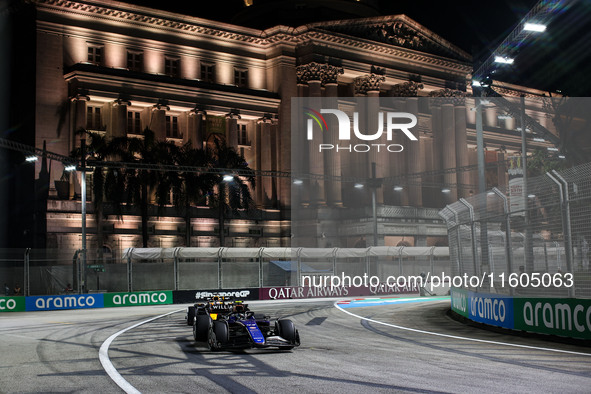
x=370, y=345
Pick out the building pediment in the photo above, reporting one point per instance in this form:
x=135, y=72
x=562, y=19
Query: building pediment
x=397, y=30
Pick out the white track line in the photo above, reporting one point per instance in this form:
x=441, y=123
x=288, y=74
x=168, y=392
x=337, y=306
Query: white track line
x=106, y=362
x=458, y=337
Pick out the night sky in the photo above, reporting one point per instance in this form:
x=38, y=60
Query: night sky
x=559, y=59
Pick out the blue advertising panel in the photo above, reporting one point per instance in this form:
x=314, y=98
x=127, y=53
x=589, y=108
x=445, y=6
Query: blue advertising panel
x=491, y=309
x=71, y=301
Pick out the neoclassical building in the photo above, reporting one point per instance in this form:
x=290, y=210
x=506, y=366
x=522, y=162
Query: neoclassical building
x=116, y=69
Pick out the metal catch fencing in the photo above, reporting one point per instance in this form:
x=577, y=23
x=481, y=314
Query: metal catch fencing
x=43, y=272
x=528, y=240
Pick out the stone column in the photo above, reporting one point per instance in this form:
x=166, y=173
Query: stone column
x=434, y=190
x=375, y=156
x=275, y=149
x=368, y=86
x=490, y=116
x=158, y=122
x=316, y=75
x=266, y=161
x=452, y=137
x=78, y=115
x=397, y=161
x=300, y=156
x=399, y=187
x=449, y=149
x=119, y=119
x=195, y=128
x=359, y=167
x=332, y=160
x=232, y=128
x=414, y=160
x=462, y=159
x=258, y=143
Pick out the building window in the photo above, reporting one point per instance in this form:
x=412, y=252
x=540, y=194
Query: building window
x=133, y=122
x=95, y=54
x=93, y=118
x=208, y=73
x=243, y=135
x=172, y=67
x=241, y=78
x=135, y=61
x=172, y=126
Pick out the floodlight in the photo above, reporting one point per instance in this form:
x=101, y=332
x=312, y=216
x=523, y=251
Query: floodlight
x=504, y=60
x=537, y=27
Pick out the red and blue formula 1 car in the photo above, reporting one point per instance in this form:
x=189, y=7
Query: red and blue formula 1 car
x=223, y=323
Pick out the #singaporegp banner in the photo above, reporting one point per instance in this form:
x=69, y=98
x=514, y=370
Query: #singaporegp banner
x=566, y=317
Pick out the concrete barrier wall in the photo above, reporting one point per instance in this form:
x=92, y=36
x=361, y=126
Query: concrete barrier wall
x=84, y=301
x=565, y=317
x=106, y=300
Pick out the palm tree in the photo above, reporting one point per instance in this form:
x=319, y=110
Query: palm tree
x=139, y=183
x=190, y=187
x=98, y=148
x=232, y=194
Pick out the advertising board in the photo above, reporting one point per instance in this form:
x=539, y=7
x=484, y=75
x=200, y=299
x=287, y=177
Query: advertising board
x=564, y=317
x=138, y=298
x=57, y=302
x=12, y=304
x=491, y=309
x=190, y=296
x=294, y=292
x=459, y=301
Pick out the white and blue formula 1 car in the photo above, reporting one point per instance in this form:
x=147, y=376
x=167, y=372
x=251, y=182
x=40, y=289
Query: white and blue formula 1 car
x=223, y=323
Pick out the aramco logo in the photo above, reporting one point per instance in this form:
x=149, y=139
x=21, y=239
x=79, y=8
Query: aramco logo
x=392, y=123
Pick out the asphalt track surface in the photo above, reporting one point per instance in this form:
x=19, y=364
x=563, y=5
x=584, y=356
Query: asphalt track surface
x=59, y=352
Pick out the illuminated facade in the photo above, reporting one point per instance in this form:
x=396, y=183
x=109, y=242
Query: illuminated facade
x=116, y=69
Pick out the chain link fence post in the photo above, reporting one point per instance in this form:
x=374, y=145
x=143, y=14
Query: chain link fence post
x=130, y=271
x=27, y=273
x=565, y=213
x=508, y=245
x=473, y=234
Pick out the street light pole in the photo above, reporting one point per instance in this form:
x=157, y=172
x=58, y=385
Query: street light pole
x=529, y=263
x=83, y=192
x=480, y=147
x=481, y=182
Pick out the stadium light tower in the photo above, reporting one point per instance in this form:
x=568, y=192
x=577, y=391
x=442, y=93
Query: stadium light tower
x=535, y=21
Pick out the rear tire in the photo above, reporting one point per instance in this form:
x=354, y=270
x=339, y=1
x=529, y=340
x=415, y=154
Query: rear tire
x=190, y=315
x=201, y=328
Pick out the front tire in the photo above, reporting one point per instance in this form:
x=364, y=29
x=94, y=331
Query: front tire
x=286, y=330
x=218, y=335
